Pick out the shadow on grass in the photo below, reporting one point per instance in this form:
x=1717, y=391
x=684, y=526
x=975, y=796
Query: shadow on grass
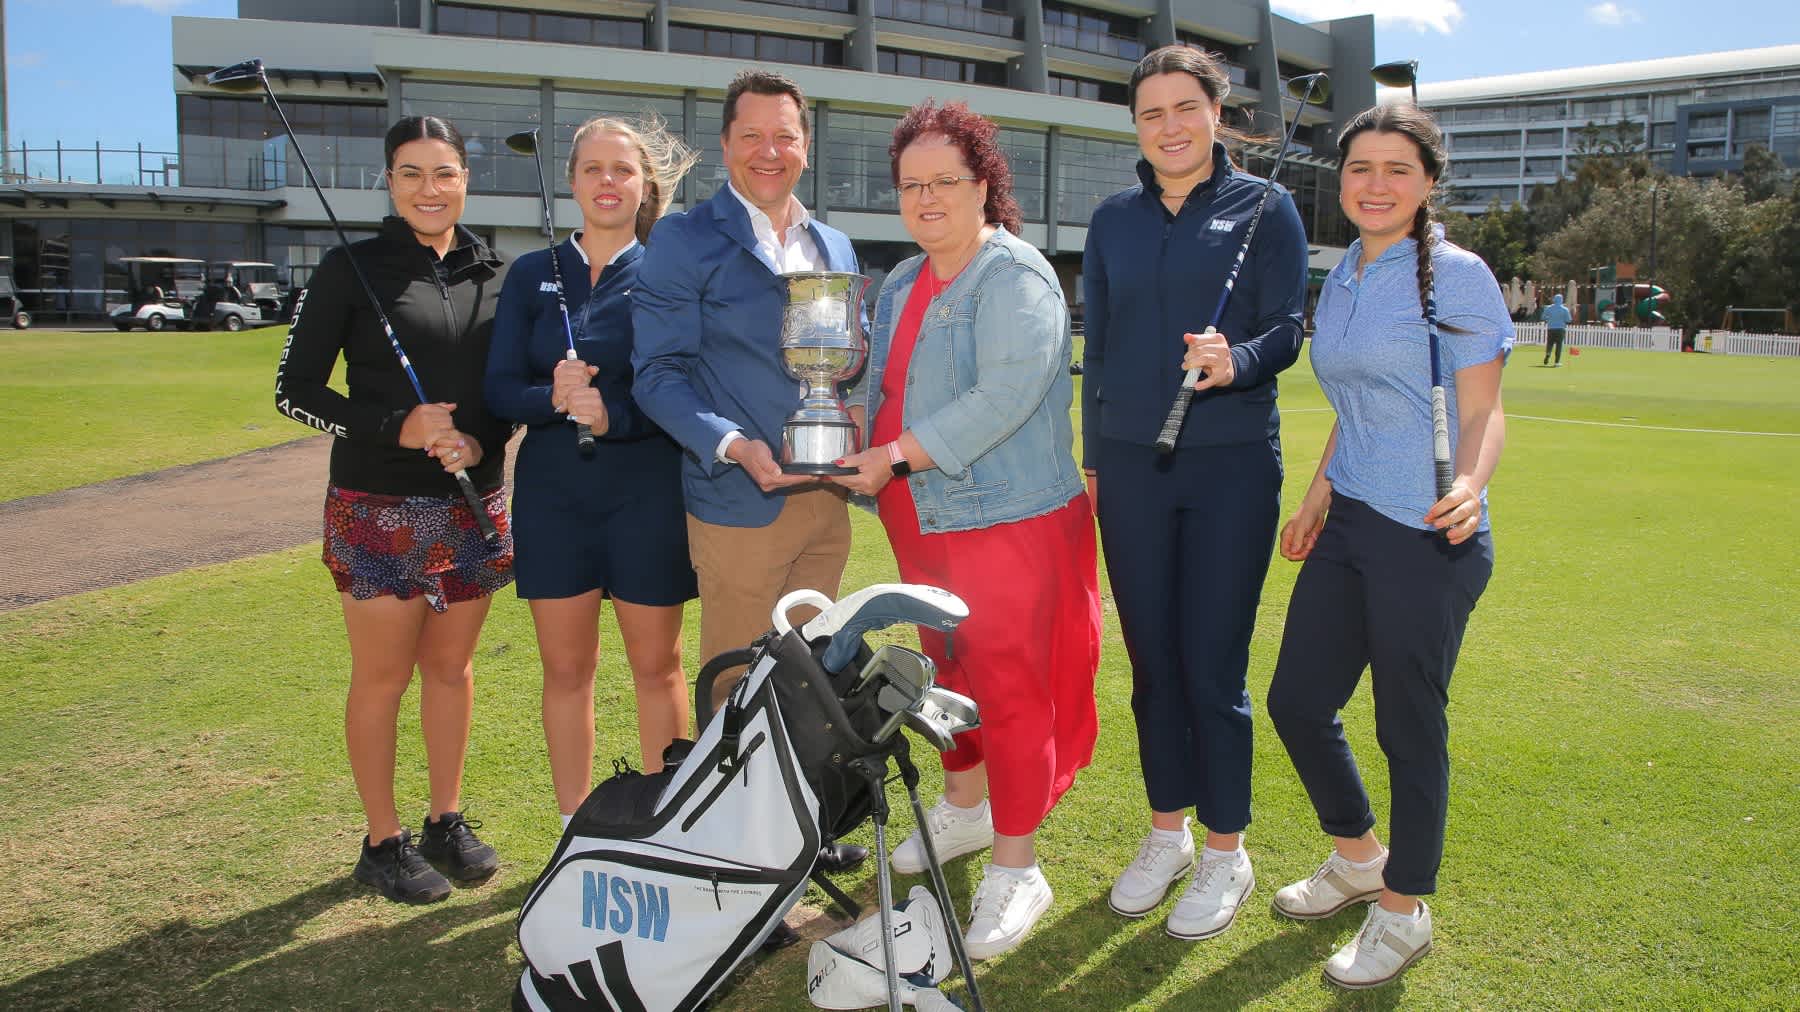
x=442, y=957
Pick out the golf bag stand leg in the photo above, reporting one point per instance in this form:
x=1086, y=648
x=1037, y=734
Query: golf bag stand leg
x=909, y=775
x=876, y=774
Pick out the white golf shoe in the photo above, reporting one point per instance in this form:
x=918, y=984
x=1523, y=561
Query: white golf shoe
x=1006, y=906
x=1159, y=862
x=1387, y=944
x=1213, y=896
x=1336, y=885
x=953, y=834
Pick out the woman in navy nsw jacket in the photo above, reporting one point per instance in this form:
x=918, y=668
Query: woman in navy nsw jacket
x=1187, y=536
x=610, y=524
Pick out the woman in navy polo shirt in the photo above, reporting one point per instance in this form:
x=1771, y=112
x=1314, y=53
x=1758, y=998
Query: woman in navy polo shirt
x=609, y=525
x=1188, y=536
x=1391, y=571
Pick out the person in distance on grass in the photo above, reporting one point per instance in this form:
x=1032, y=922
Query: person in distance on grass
x=1391, y=572
x=1187, y=536
x=971, y=460
x=611, y=524
x=411, y=567
x=1556, y=317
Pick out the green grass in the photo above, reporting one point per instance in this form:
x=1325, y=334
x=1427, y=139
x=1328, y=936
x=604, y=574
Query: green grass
x=79, y=407
x=1623, y=732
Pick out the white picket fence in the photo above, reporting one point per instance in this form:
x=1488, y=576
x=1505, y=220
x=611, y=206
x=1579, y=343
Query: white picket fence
x=1719, y=342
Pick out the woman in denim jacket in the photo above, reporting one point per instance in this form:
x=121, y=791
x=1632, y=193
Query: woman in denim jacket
x=972, y=467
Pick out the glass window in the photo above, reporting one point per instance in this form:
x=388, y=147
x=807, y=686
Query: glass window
x=744, y=45
x=1091, y=171
x=1025, y=153
x=485, y=116
x=939, y=68
x=858, y=174
x=572, y=29
x=1539, y=139
x=988, y=17
x=1706, y=125
x=1093, y=91
x=574, y=108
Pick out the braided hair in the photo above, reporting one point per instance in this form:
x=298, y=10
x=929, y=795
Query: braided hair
x=1416, y=125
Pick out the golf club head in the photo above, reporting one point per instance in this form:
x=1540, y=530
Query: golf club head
x=525, y=142
x=934, y=735
x=1312, y=89
x=245, y=76
x=894, y=663
x=952, y=711
x=1397, y=74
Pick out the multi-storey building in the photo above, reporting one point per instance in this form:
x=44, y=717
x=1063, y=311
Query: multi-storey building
x=1051, y=72
x=1693, y=115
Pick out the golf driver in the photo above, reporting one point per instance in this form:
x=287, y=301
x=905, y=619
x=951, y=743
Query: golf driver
x=247, y=76
x=1309, y=89
x=1398, y=74
x=525, y=142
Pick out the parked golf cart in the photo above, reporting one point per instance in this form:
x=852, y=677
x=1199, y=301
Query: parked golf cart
x=161, y=291
x=9, y=297
x=239, y=294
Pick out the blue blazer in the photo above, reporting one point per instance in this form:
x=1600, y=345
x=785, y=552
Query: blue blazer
x=707, y=313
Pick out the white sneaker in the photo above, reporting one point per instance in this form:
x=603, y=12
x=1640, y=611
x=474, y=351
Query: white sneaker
x=953, y=834
x=1336, y=885
x=1005, y=908
x=1387, y=944
x=1213, y=896
x=1140, y=887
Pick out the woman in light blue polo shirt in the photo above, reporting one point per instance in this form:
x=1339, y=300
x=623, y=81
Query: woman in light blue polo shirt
x=1391, y=571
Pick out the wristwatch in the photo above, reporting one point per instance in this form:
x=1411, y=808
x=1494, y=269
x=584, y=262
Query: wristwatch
x=897, y=460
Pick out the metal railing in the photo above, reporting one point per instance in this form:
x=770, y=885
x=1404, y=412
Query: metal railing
x=98, y=165
x=948, y=15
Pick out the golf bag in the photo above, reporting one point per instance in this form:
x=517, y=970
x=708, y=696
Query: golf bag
x=664, y=883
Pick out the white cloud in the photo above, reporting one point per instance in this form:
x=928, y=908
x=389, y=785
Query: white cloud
x=156, y=6
x=1610, y=13
x=1420, y=15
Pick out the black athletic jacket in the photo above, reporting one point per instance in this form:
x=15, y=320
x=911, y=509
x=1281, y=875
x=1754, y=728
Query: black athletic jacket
x=443, y=314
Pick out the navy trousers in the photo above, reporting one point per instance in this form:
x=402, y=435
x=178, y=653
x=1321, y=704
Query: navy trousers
x=1379, y=594
x=1187, y=539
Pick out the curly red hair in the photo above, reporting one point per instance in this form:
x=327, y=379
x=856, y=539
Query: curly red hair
x=977, y=138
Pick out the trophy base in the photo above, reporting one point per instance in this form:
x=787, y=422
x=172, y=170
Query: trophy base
x=821, y=470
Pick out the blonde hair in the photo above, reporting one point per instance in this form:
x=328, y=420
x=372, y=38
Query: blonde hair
x=664, y=158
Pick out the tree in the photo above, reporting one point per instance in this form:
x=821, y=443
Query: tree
x=1764, y=175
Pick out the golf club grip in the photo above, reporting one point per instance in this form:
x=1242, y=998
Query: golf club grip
x=584, y=433
x=1171, y=429
x=477, y=507
x=1440, y=442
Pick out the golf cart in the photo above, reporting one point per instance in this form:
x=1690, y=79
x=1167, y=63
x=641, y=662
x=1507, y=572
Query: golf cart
x=239, y=293
x=9, y=297
x=161, y=292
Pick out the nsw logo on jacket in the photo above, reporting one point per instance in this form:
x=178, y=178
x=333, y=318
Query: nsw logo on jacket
x=616, y=903
x=1221, y=224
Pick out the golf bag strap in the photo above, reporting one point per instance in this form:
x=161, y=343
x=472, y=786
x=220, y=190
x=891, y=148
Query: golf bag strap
x=850, y=907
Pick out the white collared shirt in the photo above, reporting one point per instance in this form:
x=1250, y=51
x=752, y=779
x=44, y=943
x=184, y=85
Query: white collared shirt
x=622, y=250
x=795, y=252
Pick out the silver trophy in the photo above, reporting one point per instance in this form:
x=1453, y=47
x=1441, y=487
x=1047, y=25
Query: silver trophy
x=822, y=345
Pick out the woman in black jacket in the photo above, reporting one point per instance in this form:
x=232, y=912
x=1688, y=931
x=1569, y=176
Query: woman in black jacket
x=405, y=551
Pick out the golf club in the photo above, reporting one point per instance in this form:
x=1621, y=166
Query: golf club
x=1398, y=74
x=247, y=76
x=525, y=142
x=1309, y=89
x=1444, y=471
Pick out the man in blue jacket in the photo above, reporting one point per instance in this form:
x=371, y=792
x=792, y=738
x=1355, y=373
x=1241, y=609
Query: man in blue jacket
x=1556, y=317
x=707, y=313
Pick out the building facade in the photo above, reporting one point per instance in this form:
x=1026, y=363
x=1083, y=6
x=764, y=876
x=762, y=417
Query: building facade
x=1692, y=115
x=1051, y=73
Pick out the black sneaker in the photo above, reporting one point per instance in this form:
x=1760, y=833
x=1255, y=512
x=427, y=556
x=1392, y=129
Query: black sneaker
x=450, y=841
x=396, y=869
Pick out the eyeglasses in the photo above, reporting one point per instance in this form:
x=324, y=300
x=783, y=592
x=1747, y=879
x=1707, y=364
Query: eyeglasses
x=407, y=180
x=940, y=187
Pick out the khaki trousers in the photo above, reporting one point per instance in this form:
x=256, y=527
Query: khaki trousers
x=743, y=571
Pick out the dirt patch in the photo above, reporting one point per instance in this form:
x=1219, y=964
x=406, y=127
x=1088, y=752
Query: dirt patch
x=162, y=522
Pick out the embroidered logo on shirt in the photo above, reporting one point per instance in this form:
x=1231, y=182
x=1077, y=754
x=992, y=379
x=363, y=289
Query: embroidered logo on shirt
x=1221, y=224
x=546, y=286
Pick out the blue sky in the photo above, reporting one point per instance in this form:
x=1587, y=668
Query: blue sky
x=85, y=70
